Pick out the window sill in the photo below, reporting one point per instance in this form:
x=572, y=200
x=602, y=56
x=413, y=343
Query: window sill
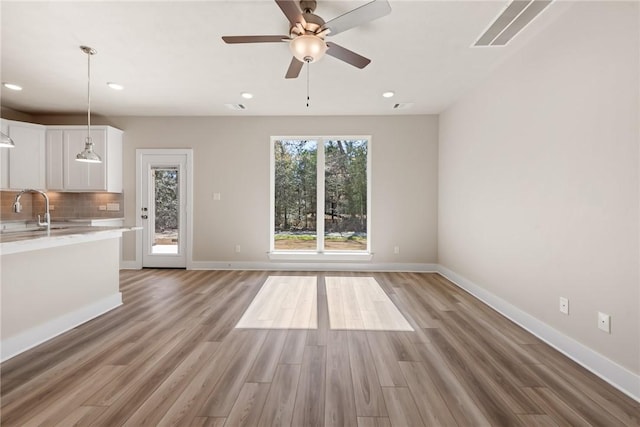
x=319, y=256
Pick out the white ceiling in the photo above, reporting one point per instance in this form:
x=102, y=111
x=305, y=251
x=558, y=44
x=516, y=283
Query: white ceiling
x=170, y=57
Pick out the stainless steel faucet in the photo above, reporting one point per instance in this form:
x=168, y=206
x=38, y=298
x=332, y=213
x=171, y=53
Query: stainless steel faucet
x=17, y=207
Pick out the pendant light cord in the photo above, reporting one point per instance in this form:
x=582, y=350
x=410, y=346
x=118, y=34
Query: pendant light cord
x=89, y=97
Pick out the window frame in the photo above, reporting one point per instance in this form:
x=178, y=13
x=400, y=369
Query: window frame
x=319, y=253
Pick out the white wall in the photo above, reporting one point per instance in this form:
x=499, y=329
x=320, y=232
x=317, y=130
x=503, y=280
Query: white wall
x=539, y=183
x=231, y=157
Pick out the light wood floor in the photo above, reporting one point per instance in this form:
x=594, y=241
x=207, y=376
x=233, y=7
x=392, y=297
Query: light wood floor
x=172, y=356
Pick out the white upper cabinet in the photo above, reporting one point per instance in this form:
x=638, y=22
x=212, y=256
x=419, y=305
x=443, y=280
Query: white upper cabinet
x=23, y=166
x=64, y=173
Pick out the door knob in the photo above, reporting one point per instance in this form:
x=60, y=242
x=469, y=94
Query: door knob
x=143, y=216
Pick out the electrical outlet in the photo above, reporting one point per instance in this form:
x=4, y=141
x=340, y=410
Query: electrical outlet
x=237, y=248
x=604, y=322
x=396, y=250
x=113, y=206
x=102, y=208
x=52, y=207
x=564, y=305
x=216, y=196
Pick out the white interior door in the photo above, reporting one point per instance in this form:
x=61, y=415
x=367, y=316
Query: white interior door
x=163, y=207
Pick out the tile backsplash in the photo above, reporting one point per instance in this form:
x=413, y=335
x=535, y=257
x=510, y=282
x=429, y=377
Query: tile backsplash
x=63, y=205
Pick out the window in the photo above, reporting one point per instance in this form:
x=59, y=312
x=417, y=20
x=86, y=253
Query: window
x=320, y=195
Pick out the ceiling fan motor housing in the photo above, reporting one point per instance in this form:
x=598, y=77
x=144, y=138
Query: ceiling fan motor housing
x=308, y=6
x=312, y=25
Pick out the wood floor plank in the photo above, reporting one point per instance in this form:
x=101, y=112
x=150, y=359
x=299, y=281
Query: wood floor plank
x=457, y=396
x=153, y=408
x=339, y=408
x=555, y=406
x=191, y=401
x=366, y=387
x=294, y=346
x=278, y=408
x=227, y=389
x=536, y=420
x=387, y=366
x=490, y=400
x=432, y=407
x=374, y=422
x=319, y=336
x=266, y=362
x=208, y=422
x=81, y=416
x=248, y=406
x=309, y=407
x=402, y=408
x=57, y=410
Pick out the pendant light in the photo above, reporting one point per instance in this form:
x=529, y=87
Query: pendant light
x=88, y=155
x=6, y=141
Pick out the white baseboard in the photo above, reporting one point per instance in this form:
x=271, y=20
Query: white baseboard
x=616, y=375
x=17, y=344
x=312, y=266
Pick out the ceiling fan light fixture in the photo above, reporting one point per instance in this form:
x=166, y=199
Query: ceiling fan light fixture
x=308, y=48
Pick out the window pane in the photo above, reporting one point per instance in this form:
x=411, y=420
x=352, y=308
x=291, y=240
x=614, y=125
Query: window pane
x=345, y=195
x=165, y=210
x=295, y=195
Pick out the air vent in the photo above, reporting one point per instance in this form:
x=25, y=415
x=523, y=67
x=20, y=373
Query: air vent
x=511, y=21
x=237, y=107
x=402, y=105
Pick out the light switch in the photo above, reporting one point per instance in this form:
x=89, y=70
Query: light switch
x=216, y=196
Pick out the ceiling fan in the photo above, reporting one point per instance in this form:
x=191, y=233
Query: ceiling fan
x=308, y=31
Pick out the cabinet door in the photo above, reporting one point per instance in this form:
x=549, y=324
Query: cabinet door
x=4, y=158
x=27, y=159
x=55, y=162
x=80, y=175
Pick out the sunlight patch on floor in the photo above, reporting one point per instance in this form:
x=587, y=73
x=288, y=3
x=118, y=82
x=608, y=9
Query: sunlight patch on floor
x=283, y=302
x=354, y=303
x=359, y=303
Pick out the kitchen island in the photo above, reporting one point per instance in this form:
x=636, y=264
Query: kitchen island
x=54, y=281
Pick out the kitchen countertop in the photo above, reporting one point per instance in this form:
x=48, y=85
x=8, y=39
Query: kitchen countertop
x=59, y=235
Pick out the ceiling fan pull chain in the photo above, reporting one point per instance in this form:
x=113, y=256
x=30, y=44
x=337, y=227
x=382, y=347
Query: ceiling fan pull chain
x=308, y=65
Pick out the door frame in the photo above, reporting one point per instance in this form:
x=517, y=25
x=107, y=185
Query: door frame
x=188, y=210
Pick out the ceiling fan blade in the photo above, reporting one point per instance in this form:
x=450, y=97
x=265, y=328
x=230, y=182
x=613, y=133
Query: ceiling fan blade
x=358, y=16
x=294, y=68
x=254, y=39
x=291, y=10
x=347, y=55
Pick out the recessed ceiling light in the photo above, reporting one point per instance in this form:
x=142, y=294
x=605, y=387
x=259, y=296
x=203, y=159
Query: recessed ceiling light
x=246, y=95
x=12, y=86
x=115, y=86
x=388, y=94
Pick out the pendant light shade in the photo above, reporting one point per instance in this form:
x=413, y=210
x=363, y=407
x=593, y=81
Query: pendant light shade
x=88, y=155
x=6, y=141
